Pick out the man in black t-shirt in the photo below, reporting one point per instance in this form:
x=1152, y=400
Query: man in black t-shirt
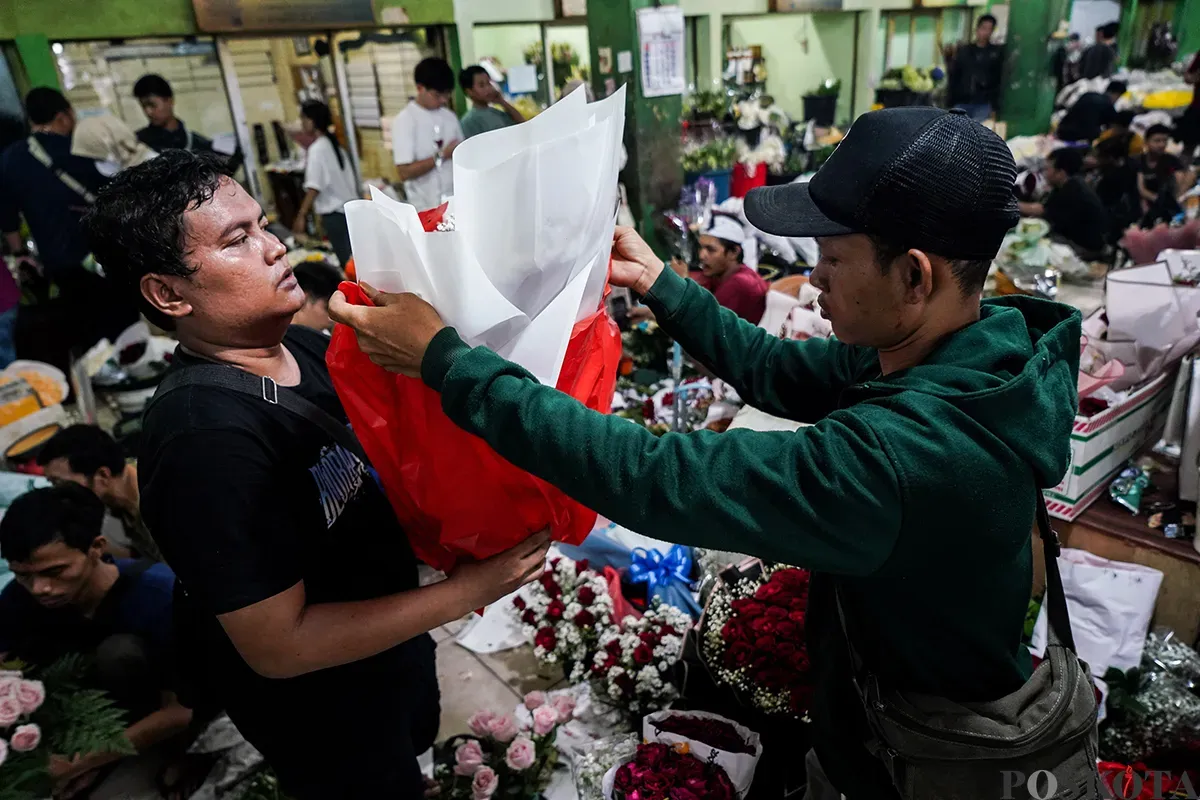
x=1116, y=185
x=976, y=73
x=299, y=589
x=1073, y=210
x=1099, y=60
x=1086, y=119
x=1158, y=178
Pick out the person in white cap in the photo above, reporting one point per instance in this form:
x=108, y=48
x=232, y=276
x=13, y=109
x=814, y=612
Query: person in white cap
x=722, y=271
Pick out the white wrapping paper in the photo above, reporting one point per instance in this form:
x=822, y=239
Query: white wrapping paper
x=534, y=210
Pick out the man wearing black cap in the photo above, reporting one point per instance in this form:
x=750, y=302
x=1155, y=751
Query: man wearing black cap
x=937, y=420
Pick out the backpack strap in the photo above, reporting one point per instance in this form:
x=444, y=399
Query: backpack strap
x=262, y=388
x=37, y=151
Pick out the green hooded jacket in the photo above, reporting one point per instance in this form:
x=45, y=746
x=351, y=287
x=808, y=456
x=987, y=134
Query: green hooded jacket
x=915, y=491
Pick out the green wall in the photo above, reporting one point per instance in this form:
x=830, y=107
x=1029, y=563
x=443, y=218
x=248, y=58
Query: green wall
x=801, y=51
x=506, y=42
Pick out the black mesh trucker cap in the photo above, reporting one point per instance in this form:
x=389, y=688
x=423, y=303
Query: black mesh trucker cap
x=918, y=177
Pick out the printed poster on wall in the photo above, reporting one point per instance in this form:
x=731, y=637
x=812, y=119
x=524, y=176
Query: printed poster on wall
x=660, y=37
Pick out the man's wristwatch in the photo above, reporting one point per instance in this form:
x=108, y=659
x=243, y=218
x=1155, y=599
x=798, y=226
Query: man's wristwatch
x=438, y=160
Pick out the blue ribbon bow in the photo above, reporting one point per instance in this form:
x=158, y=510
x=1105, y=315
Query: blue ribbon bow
x=667, y=577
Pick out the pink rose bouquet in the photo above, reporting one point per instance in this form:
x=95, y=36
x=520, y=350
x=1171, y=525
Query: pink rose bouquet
x=502, y=758
x=51, y=715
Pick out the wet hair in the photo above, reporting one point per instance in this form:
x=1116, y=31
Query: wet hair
x=970, y=275
x=466, y=78
x=1068, y=159
x=322, y=120
x=318, y=280
x=69, y=513
x=1157, y=130
x=1117, y=87
x=44, y=104
x=434, y=74
x=152, y=86
x=86, y=448
x=983, y=19
x=136, y=225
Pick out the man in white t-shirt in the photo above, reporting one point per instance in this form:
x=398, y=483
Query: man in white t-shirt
x=424, y=136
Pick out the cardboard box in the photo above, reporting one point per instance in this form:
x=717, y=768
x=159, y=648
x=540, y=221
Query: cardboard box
x=1101, y=445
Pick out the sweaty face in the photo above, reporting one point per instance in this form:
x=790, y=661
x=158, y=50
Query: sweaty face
x=158, y=110
x=56, y=574
x=315, y=315
x=865, y=306
x=242, y=286
x=715, y=260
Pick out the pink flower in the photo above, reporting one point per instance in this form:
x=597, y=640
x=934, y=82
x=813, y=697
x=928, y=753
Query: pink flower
x=8, y=686
x=26, y=738
x=3, y=752
x=485, y=784
x=31, y=695
x=545, y=719
x=10, y=711
x=521, y=754
x=504, y=729
x=535, y=700
x=468, y=758
x=480, y=723
x=564, y=704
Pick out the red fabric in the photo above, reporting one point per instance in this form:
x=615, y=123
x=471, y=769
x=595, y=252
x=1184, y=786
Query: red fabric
x=744, y=293
x=456, y=498
x=622, y=608
x=744, y=180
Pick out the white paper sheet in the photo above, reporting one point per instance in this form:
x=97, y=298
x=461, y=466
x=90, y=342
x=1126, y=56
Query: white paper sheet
x=534, y=212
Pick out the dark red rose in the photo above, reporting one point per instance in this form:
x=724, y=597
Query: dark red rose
x=787, y=630
x=587, y=596
x=762, y=625
x=797, y=616
x=738, y=655
x=659, y=781
x=653, y=756
x=747, y=607
x=785, y=649
x=766, y=644
x=713, y=732
x=555, y=609
x=585, y=619
x=550, y=585
x=648, y=638
x=790, y=578
x=545, y=638
x=624, y=779
x=614, y=648
x=768, y=591
x=679, y=793
x=529, y=618
x=642, y=655
x=581, y=566
x=776, y=613
x=625, y=683
x=798, y=661
x=519, y=603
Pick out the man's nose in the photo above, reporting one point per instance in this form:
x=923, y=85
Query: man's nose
x=41, y=587
x=818, y=279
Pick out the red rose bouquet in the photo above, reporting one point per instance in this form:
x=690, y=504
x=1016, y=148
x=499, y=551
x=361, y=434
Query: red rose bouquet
x=659, y=772
x=753, y=638
x=632, y=667
x=565, y=613
x=710, y=738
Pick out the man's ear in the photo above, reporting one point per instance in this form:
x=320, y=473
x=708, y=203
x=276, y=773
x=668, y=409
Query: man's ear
x=918, y=275
x=99, y=547
x=161, y=292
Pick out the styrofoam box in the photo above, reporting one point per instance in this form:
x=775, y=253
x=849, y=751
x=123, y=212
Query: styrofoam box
x=1102, y=444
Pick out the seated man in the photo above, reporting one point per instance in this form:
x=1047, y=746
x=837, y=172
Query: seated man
x=1116, y=186
x=1158, y=178
x=1091, y=112
x=1121, y=128
x=86, y=455
x=67, y=597
x=735, y=285
x=319, y=281
x=1073, y=210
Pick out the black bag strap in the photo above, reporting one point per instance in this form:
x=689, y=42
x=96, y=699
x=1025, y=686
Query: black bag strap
x=236, y=380
x=1059, y=619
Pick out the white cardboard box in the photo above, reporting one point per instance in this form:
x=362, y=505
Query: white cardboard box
x=1102, y=444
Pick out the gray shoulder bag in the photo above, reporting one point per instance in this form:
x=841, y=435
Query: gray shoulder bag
x=1038, y=742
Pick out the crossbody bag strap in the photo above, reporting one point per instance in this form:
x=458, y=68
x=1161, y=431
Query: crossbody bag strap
x=266, y=390
x=1058, y=617
x=37, y=151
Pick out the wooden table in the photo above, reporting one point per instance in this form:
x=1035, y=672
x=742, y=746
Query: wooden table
x=1109, y=531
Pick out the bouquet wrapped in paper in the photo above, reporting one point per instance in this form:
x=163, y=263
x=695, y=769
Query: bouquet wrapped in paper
x=518, y=262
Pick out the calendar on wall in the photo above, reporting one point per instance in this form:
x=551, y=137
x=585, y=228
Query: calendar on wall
x=661, y=46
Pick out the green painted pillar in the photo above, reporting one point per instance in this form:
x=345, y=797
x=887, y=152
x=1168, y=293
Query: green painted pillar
x=1030, y=88
x=1129, y=12
x=38, y=60
x=652, y=176
x=1187, y=25
x=454, y=56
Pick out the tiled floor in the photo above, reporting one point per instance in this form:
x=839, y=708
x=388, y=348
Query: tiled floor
x=493, y=681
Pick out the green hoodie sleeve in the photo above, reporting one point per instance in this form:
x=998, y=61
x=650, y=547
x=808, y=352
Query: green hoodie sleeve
x=795, y=380
x=825, y=497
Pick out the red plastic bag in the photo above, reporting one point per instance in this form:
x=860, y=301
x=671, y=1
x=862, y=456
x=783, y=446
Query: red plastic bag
x=456, y=498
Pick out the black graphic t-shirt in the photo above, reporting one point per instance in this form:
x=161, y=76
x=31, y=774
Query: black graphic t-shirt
x=246, y=500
